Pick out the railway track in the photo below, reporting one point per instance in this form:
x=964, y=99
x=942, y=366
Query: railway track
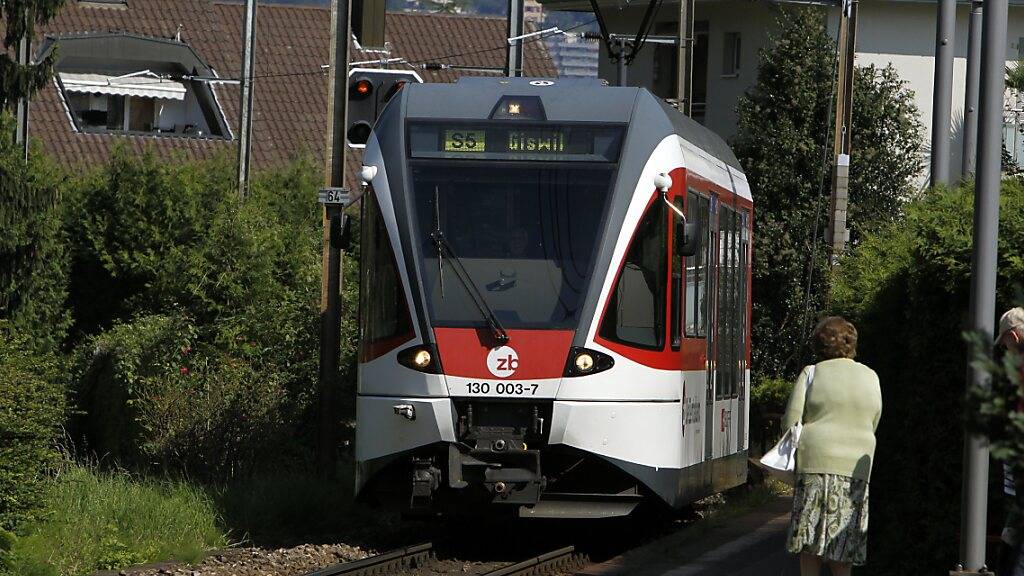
x=393, y=562
x=411, y=558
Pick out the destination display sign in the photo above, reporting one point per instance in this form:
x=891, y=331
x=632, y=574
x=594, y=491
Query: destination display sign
x=505, y=142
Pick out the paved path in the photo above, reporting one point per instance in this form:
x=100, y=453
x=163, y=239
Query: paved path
x=749, y=545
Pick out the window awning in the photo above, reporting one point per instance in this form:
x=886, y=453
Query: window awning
x=144, y=85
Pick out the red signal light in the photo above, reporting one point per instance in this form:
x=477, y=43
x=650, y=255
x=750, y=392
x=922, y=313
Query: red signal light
x=363, y=87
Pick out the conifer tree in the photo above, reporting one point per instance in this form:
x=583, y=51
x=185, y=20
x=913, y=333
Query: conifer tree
x=784, y=141
x=20, y=20
x=33, y=259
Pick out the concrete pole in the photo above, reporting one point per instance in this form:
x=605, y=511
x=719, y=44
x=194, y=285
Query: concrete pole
x=684, y=57
x=514, y=59
x=983, y=267
x=245, y=103
x=623, y=67
x=843, y=125
x=971, y=90
x=21, y=131
x=942, y=96
x=333, y=227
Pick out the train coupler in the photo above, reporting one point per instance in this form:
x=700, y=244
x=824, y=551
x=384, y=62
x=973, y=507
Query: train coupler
x=425, y=480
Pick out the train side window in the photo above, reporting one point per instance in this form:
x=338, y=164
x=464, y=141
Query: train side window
x=678, y=239
x=697, y=268
x=385, y=322
x=635, y=314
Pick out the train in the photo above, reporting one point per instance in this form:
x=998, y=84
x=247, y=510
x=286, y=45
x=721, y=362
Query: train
x=555, y=302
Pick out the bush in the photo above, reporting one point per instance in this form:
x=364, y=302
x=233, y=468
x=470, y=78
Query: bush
x=906, y=288
x=33, y=254
x=167, y=258
x=156, y=396
x=783, y=130
x=31, y=416
x=111, y=520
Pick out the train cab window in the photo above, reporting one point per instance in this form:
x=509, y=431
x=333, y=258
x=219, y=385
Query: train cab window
x=697, y=268
x=385, y=322
x=635, y=314
x=678, y=238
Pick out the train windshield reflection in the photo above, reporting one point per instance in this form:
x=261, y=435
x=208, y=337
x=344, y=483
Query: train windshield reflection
x=525, y=233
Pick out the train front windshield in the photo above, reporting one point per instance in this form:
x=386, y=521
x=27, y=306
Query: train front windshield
x=526, y=234
x=520, y=208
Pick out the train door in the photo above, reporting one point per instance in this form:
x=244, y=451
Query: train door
x=728, y=334
x=696, y=329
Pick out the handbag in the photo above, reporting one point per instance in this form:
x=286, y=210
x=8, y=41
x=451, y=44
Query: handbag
x=780, y=461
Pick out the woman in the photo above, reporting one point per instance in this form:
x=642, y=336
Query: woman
x=839, y=409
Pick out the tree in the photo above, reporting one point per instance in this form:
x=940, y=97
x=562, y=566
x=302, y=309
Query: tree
x=784, y=141
x=34, y=259
x=20, y=19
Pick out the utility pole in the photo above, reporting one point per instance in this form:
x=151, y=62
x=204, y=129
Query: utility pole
x=334, y=222
x=844, y=118
x=942, y=95
x=974, y=509
x=622, y=64
x=245, y=103
x=684, y=57
x=514, y=58
x=24, y=59
x=971, y=92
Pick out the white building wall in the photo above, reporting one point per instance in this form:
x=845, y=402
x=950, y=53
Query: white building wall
x=889, y=31
x=903, y=34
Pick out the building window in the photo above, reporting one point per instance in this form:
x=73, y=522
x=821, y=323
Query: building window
x=731, y=55
x=137, y=103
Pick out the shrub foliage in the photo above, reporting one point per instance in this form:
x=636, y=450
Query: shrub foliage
x=201, y=314
x=31, y=417
x=906, y=287
x=784, y=141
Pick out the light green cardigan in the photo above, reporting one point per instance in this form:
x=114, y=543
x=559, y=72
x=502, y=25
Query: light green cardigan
x=839, y=419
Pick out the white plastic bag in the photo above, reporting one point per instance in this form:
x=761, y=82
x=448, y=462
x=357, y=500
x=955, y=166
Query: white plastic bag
x=780, y=461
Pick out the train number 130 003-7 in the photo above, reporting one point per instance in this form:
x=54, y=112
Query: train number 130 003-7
x=502, y=388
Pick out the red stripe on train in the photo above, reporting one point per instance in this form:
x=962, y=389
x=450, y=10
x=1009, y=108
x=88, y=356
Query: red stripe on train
x=535, y=353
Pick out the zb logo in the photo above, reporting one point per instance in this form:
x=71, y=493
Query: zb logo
x=502, y=361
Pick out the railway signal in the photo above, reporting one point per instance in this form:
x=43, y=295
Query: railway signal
x=369, y=91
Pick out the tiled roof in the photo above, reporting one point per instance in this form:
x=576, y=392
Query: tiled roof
x=290, y=99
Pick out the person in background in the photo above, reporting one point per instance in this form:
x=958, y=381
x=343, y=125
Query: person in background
x=839, y=408
x=1011, y=337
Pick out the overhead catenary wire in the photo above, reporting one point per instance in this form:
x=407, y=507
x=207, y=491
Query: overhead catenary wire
x=429, y=60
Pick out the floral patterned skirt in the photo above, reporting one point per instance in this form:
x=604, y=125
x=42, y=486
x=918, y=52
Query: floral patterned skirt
x=830, y=518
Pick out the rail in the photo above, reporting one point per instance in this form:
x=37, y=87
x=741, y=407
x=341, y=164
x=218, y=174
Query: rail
x=388, y=562
x=561, y=560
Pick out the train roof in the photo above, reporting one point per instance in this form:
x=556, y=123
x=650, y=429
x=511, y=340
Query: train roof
x=565, y=100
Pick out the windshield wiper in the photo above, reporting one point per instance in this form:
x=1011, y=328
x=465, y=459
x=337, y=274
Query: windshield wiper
x=445, y=248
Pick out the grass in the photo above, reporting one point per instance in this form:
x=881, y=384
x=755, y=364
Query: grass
x=109, y=520
x=285, y=507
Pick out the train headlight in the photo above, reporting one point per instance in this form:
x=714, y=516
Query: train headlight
x=584, y=362
x=422, y=358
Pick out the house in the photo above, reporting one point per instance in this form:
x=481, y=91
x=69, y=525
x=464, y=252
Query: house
x=151, y=74
x=729, y=33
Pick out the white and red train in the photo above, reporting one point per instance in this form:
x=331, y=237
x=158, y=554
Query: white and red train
x=555, y=309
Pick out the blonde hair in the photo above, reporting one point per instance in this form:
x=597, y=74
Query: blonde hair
x=834, y=337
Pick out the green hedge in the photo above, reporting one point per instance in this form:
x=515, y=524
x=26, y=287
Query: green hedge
x=907, y=289
x=31, y=416
x=199, y=314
